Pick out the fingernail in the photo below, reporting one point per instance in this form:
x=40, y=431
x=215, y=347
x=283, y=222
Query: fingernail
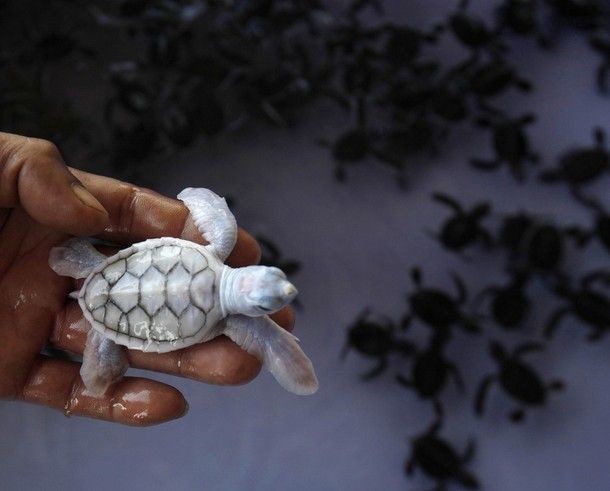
x=86, y=197
x=186, y=408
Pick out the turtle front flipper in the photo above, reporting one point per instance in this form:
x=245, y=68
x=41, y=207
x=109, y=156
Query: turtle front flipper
x=213, y=219
x=276, y=348
x=75, y=258
x=104, y=363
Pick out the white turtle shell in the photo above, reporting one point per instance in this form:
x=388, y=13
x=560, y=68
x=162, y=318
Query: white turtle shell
x=158, y=295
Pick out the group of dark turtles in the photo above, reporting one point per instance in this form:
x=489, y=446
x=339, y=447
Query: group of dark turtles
x=197, y=69
x=404, y=100
x=534, y=247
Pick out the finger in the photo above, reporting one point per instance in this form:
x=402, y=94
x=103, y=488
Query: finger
x=132, y=401
x=33, y=174
x=219, y=361
x=284, y=317
x=137, y=214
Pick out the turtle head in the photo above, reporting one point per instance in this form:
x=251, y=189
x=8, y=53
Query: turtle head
x=258, y=290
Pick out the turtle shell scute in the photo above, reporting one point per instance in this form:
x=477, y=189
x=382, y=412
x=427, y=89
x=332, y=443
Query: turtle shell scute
x=159, y=294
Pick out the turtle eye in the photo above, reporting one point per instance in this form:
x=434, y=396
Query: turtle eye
x=265, y=303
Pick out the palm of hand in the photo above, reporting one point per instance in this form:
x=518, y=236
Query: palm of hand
x=32, y=299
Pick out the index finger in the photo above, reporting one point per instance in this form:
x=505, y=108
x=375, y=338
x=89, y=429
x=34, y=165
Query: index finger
x=138, y=214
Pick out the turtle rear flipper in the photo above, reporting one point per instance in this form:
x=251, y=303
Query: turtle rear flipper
x=75, y=258
x=104, y=363
x=213, y=219
x=276, y=348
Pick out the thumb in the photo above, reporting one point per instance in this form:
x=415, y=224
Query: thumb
x=34, y=175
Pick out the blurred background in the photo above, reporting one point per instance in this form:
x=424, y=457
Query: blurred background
x=330, y=125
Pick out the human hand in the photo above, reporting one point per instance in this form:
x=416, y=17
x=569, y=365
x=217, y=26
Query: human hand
x=42, y=201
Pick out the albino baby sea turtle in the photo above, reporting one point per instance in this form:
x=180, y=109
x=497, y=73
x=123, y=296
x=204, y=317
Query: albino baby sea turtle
x=165, y=294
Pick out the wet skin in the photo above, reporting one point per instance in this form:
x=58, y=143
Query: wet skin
x=42, y=202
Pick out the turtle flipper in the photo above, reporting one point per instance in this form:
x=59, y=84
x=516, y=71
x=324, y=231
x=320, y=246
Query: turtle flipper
x=213, y=219
x=75, y=257
x=104, y=363
x=276, y=348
